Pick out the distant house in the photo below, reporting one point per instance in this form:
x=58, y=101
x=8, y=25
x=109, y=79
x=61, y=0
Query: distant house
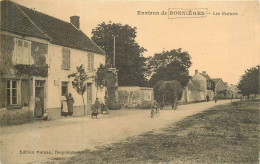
x=192, y=93
x=38, y=52
x=220, y=88
x=205, y=83
x=233, y=91
x=134, y=96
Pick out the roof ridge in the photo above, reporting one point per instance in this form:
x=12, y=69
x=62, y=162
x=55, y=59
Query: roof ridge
x=40, y=12
x=17, y=5
x=94, y=42
x=195, y=85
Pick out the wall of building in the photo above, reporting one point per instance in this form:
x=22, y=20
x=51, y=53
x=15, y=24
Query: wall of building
x=194, y=96
x=200, y=81
x=220, y=86
x=14, y=65
x=56, y=75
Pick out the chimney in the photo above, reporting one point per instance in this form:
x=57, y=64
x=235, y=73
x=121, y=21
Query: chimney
x=75, y=21
x=204, y=72
x=196, y=71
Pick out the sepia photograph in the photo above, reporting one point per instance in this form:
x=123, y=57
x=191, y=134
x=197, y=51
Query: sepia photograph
x=129, y=82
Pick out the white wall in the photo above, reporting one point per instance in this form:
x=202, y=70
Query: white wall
x=56, y=73
x=200, y=81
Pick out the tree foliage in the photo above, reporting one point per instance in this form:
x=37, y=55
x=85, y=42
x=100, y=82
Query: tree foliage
x=168, y=91
x=100, y=77
x=249, y=82
x=172, y=71
x=129, y=60
x=80, y=82
x=169, y=65
x=167, y=57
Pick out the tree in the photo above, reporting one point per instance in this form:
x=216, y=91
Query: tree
x=249, y=82
x=169, y=65
x=172, y=71
x=129, y=60
x=168, y=92
x=79, y=83
x=167, y=57
x=100, y=77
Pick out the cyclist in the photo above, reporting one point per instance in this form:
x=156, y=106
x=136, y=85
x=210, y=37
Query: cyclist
x=155, y=109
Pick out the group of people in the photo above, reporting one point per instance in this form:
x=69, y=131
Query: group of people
x=67, y=104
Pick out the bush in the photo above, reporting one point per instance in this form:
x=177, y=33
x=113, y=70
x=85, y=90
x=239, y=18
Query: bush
x=169, y=92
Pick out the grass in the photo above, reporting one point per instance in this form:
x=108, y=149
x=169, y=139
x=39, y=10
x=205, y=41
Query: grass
x=223, y=134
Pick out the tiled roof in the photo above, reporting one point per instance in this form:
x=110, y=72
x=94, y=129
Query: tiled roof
x=193, y=87
x=22, y=20
x=215, y=80
x=206, y=76
x=13, y=20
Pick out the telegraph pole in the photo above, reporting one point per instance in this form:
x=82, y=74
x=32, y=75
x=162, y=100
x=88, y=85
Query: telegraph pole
x=114, y=57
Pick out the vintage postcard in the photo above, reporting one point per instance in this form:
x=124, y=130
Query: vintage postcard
x=93, y=81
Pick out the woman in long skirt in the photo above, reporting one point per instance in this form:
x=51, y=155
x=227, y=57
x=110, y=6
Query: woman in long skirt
x=70, y=102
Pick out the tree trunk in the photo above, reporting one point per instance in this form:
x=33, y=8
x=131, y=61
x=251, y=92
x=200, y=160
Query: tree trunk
x=175, y=104
x=83, y=104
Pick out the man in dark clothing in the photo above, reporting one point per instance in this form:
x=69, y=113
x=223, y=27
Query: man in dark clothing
x=207, y=98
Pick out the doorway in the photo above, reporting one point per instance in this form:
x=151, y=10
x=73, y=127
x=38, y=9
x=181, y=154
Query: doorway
x=39, y=98
x=89, y=96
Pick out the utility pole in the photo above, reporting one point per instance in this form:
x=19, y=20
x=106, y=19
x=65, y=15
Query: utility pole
x=114, y=57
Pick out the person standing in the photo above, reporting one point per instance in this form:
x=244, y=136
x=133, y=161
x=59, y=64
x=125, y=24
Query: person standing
x=207, y=98
x=70, y=101
x=216, y=98
x=64, y=106
x=38, y=107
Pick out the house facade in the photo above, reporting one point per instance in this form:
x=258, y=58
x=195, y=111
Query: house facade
x=38, y=52
x=205, y=84
x=220, y=88
x=192, y=93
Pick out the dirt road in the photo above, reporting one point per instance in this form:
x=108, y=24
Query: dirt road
x=41, y=141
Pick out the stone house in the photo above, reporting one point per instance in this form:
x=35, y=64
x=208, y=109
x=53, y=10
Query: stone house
x=205, y=83
x=38, y=52
x=192, y=93
x=134, y=96
x=220, y=88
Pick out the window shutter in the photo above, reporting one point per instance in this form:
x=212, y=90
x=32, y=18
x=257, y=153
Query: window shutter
x=26, y=57
x=68, y=59
x=92, y=61
x=19, y=56
x=65, y=58
x=63, y=61
x=89, y=61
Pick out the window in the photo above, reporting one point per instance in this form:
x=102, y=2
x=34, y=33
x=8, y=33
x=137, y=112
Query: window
x=65, y=58
x=90, y=61
x=23, y=52
x=11, y=92
x=64, y=88
x=39, y=83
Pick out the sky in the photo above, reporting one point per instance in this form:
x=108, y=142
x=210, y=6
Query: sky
x=222, y=45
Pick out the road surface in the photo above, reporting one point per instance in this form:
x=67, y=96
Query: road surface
x=41, y=141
